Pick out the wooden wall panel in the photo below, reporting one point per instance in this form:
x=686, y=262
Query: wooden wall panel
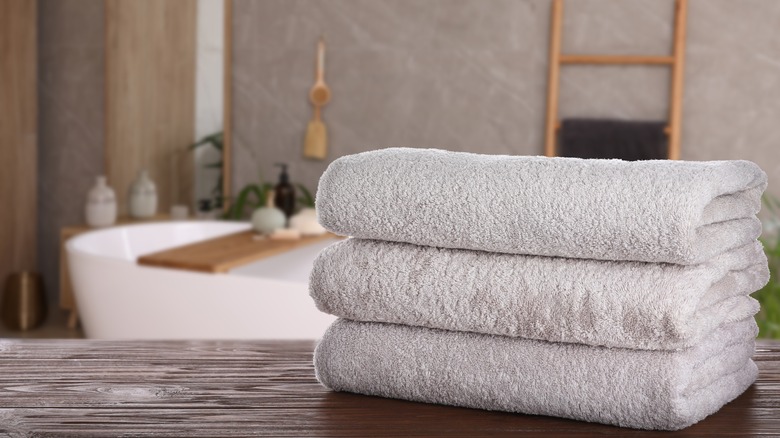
x=18, y=137
x=150, y=96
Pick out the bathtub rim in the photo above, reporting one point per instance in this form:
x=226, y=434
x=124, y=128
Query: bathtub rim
x=77, y=243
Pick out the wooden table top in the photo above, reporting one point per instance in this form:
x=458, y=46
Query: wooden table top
x=267, y=388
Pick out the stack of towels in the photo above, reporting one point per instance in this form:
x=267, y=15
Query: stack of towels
x=600, y=290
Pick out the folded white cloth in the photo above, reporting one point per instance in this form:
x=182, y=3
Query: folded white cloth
x=616, y=304
x=654, y=211
x=632, y=388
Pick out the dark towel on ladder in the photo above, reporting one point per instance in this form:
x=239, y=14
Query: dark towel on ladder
x=603, y=138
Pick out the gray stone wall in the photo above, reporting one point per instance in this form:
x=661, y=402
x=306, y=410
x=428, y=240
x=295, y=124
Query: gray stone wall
x=470, y=75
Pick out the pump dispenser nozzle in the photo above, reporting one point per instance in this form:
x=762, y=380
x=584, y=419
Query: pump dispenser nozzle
x=283, y=177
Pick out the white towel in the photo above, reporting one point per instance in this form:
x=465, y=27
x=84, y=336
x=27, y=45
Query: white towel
x=616, y=304
x=654, y=211
x=632, y=388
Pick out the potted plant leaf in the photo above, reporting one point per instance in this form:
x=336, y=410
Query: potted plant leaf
x=768, y=318
x=216, y=141
x=255, y=195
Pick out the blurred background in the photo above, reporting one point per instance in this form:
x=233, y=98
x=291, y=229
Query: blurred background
x=208, y=96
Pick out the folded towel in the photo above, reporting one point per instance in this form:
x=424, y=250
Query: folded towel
x=616, y=304
x=604, y=138
x=654, y=211
x=632, y=388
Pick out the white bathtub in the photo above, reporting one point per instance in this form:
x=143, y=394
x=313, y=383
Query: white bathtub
x=118, y=299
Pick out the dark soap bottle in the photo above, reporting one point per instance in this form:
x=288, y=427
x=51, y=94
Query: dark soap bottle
x=284, y=193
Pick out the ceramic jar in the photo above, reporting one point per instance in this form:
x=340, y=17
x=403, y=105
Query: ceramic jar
x=100, y=210
x=143, y=197
x=266, y=220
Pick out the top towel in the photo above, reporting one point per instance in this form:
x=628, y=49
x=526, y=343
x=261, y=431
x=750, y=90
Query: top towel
x=679, y=212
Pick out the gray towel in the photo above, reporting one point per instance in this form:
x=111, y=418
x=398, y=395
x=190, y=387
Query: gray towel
x=654, y=211
x=632, y=388
x=616, y=304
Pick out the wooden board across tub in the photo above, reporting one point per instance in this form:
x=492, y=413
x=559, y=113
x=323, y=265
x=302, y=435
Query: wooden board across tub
x=224, y=253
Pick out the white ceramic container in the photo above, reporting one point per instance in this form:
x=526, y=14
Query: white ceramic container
x=100, y=210
x=143, y=197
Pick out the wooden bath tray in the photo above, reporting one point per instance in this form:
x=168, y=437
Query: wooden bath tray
x=224, y=253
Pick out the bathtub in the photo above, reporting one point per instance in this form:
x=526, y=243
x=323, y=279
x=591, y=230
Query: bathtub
x=119, y=299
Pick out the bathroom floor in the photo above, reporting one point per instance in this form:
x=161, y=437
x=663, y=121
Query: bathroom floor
x=55, y=327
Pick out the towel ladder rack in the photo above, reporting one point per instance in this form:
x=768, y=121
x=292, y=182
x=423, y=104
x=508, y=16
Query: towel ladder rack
x=676, y=61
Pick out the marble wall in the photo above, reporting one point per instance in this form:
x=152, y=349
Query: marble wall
x=471, y=75
x=70, y=120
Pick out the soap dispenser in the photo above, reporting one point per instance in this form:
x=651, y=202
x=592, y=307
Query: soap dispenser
x=284, y=193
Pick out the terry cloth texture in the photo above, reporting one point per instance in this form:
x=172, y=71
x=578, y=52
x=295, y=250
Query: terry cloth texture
x=616, y=304
x=634, y=388
x=605, y=138
x=654, y=211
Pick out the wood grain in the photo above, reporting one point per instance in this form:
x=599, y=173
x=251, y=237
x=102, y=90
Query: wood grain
x=678, y=76
x=616, y=59
x=553, y=78
x=224, y=253
x=18, y=135
x=67, y=297
x=150, y=96
x=267, y=388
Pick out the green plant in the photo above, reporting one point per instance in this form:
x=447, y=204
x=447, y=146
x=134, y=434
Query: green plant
x=306, y=199
x=216, y=140
x=255, y=195
x=768, y=318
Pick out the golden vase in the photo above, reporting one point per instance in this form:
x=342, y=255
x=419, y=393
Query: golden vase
x=23, y=305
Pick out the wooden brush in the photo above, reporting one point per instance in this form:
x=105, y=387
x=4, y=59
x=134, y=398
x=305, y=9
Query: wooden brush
x=316, y=143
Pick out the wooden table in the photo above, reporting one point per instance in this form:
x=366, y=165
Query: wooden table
x=267, y=388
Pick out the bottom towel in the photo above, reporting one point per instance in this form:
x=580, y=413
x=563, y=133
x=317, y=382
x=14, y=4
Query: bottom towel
x=664, y=390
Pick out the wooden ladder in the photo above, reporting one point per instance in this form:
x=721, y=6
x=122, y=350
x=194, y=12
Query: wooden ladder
x=676, y=61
